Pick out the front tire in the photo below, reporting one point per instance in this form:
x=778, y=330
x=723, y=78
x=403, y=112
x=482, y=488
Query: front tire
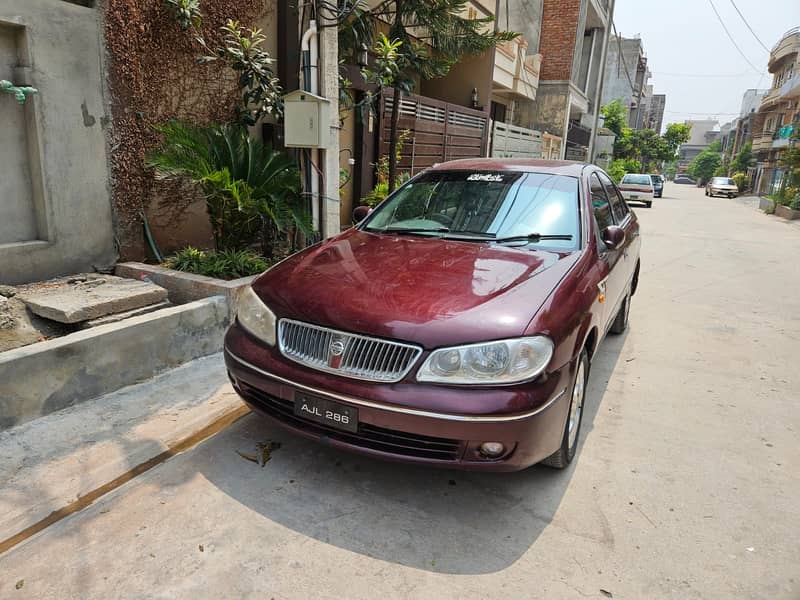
x=649, y=204
x=569, y=441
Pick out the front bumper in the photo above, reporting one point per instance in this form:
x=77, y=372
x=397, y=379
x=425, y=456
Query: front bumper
x=724, y=192
x=408, y=421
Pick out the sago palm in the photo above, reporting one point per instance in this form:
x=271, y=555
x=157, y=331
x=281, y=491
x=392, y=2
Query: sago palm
x=252, y=192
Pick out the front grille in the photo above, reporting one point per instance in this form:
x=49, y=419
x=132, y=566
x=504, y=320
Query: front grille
x=368, y=436
x=347, y=354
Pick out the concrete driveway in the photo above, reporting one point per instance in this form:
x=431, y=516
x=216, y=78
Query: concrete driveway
x=686, y=486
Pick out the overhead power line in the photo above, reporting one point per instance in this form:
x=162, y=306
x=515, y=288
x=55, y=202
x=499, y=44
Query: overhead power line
x=721, y=22
x=748, y=26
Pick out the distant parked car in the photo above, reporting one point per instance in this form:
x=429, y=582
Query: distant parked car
x=722, y=186
x=658, y=185
x=637, y=187
x=685, y=179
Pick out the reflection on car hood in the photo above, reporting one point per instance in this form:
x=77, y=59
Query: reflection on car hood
x=429, y=291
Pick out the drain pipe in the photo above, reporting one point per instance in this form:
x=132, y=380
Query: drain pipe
x=310, y=52
x=601, y=76
x=309, y=56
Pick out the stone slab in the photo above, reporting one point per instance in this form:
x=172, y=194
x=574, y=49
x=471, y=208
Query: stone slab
x=91, y=444
x=86, y=297
x=48, y=376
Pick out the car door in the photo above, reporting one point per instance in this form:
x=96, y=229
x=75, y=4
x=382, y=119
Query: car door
x=625, y=218
x=610, y=287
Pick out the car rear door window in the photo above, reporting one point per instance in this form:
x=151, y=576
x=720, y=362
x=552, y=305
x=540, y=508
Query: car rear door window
x=618, y=205
x=600, y=204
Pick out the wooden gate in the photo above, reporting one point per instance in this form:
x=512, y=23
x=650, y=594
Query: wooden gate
x=439, y=131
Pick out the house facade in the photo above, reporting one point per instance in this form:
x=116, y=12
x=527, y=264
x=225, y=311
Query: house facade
x=778, y=114
x=573, y=43
x=702, y=134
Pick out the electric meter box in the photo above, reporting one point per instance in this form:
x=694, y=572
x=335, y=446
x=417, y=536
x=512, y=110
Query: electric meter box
x=306, y=120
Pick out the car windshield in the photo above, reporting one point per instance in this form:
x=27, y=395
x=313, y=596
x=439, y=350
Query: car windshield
x=722, y=181
x=484, y=206
x=655, y=178
x=636, y=179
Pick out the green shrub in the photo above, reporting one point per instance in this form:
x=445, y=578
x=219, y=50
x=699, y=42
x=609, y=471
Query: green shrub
x=381, y=190
x=795, y=203
x=740, y=179
x=222, y=264
x=377, y=195
x=618, y=168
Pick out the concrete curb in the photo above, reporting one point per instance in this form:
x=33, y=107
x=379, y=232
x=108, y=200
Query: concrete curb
x=186, y=287
x=45, y=377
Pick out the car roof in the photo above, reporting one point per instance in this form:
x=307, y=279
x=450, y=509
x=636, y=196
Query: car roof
x=526, y=165
x=635, y=175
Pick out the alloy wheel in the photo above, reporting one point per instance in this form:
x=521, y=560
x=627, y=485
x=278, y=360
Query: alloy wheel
x=576, y=407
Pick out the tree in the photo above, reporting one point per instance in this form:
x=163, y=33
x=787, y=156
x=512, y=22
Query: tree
x=705, y=164
x=675, y=135
x=433, y=36
x=744, y=159
x=615, y=118
x=648, y=147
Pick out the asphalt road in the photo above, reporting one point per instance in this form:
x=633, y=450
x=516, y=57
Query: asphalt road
x=686, y=486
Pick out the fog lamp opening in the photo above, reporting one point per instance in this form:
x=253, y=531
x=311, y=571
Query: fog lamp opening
x=492, y=449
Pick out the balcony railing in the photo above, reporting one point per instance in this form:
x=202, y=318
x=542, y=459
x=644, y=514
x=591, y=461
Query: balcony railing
x=791, y=32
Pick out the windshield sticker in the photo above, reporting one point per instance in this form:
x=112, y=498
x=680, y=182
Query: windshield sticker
x=485, y=177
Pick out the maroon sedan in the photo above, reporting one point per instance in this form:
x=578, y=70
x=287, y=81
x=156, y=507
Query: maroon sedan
x=454, y=325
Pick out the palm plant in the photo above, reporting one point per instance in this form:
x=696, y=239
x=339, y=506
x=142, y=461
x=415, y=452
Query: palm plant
x=252, y=193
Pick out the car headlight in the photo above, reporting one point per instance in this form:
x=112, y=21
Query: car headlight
x=256, y=317
x=491, y=363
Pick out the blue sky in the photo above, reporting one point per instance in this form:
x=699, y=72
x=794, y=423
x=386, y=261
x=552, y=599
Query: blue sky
x=685, y=43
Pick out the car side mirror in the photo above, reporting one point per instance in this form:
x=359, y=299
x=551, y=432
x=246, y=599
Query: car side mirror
x=613, y=237
x=361, y=212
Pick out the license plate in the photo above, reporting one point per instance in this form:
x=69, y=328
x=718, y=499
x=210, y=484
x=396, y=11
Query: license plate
x=634, y=196
x=326, y=412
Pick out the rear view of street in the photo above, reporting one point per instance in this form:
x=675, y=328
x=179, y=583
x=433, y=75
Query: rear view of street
x=686, y=484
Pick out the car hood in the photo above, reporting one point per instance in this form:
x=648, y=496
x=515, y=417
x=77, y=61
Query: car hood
x=428, y=291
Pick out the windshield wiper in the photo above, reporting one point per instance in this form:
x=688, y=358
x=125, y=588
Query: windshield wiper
x=411, y=230
x=534, y=237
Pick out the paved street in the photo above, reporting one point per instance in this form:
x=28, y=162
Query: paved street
x=686, y=485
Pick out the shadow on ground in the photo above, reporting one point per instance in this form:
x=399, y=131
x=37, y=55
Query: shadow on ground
x=436, y=520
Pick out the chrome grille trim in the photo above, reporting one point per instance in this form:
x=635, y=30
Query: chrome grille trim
x=366, y=358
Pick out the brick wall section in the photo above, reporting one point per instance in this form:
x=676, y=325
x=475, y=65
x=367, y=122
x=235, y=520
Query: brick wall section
x=557, y=42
